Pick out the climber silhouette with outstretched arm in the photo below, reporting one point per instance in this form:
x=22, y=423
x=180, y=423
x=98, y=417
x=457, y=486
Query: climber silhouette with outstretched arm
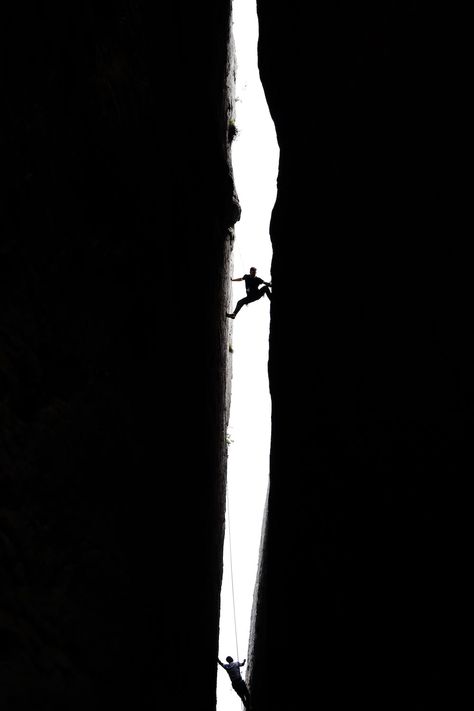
x=238, y=684
x=254, y=292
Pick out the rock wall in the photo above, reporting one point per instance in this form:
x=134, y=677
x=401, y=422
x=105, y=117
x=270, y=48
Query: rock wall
x=117, y=217
x=117, y=213
x=369, y=358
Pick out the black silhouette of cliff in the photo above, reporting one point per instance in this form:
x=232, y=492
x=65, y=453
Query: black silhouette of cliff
x=117, y=212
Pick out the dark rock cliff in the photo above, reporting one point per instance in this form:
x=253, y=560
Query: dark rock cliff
x=117, y=209
x=369, y=358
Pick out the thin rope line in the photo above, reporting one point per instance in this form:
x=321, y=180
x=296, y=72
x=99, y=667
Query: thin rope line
x=232, y=574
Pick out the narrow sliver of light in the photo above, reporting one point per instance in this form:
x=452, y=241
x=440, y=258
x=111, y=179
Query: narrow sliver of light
x=255, y=165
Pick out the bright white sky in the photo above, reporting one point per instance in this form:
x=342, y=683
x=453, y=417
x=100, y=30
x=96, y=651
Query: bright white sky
x=255, y=164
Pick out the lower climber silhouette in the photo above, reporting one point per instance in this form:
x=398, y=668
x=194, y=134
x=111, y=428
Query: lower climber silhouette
x=252, y=284
x=238, y=684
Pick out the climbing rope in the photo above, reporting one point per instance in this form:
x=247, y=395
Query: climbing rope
x=232, y=574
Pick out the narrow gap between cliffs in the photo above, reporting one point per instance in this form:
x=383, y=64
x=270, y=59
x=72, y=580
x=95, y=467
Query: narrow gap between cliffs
x=255, y=166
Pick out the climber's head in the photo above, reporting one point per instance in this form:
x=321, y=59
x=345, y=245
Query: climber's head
x=253, y=271
x=229, y=659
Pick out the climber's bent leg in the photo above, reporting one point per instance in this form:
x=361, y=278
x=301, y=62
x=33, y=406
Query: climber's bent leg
x=240, y=687
x=241, y=303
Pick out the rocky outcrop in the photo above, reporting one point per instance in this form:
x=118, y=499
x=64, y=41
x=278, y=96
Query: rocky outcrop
x=369, y=359
x=116, y=235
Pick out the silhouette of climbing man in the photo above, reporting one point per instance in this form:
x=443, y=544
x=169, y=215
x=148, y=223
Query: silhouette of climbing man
x=254, y=293
x=238, y=684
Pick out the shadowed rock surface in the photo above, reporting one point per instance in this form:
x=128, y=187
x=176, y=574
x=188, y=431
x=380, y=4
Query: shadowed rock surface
x=117, y=210
x=369, y=358
x=116, y=225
